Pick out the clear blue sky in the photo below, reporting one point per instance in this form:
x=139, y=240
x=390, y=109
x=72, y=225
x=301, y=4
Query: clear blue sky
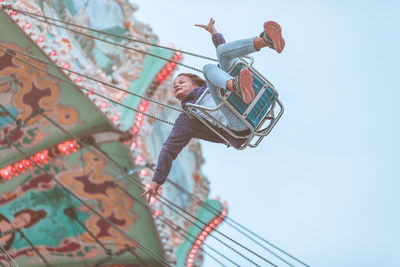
x=325, y=184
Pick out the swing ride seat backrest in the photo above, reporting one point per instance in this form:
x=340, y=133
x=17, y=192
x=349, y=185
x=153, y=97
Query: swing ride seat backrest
x=254, y=114
x=255, y=111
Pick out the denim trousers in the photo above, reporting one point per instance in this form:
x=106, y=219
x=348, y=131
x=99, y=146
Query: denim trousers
x=217, y=77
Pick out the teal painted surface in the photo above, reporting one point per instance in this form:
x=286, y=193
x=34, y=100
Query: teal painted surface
x=204, y=215
x=151, y=67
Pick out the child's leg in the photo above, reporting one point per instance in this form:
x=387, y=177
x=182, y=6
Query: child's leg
x=229, y=52
x=271, y=37
x=217, y=78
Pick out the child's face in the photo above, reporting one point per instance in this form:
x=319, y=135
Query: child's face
x=183, y=86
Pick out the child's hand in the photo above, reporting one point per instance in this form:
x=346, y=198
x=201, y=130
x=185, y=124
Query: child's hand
x=210, y=27
x=152, y=191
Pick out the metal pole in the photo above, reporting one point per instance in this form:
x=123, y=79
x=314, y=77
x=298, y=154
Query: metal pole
x=34, y=248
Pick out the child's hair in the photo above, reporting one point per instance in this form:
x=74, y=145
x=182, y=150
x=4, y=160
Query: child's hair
x=194, y=78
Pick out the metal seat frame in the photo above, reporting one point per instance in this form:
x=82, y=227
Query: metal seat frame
x=255, y=132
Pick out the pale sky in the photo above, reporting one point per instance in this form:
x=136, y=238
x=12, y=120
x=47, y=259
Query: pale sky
x=324, y=185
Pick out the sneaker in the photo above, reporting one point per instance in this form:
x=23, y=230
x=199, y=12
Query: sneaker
x=243, y=85
x=272, y=35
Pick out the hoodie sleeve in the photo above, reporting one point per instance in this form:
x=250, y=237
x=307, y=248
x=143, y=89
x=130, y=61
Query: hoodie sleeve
x=218, y=39
x=179, y=137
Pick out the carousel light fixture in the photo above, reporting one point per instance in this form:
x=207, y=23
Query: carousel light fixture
x=201, y=237
x=20, y=167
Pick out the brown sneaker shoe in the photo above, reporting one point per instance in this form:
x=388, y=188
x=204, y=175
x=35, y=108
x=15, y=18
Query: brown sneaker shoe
x=243, y=85
x=273, y=36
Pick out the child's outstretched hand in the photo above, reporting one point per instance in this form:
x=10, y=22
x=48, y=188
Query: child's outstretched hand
x=210, y=27
x=152, y=191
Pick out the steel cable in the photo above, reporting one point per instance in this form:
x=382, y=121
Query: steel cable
x=121, y=232
x=119, y=45
x=231, y=223
x=131, y=239
x=174, y=226
x=127, y=37
x=140, y=185
x=83, y=88
x=93, y=79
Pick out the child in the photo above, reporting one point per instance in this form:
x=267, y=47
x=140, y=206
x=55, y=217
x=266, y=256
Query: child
x=189, y=87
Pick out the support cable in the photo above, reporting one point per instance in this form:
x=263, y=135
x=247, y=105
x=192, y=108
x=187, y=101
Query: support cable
x=135, y=254
x=164, y=200
x=140, y=185
x=124, y=234
x=7, y=257
x=133, y=240
x=179, y=229
x=92, y=79
x=34, y=248
x=137, y=183
x=116, y=44
x=80, y=243
x=231, y=223
x=127, y=37
x=140, y=202
x=70, y=82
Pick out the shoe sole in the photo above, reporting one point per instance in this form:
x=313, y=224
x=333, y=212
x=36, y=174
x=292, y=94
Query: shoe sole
x=274, y=31
x=246, y=84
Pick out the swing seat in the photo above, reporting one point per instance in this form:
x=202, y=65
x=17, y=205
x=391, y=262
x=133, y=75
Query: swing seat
x=258, y=115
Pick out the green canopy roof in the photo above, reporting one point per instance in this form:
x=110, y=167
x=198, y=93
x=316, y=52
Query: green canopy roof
x=32, y=200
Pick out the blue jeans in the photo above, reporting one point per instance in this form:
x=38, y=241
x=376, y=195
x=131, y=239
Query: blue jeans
x=218, y=77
